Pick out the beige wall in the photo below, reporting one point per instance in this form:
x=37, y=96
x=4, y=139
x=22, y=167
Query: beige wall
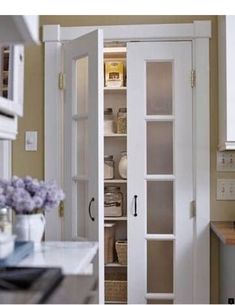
x=32, y=162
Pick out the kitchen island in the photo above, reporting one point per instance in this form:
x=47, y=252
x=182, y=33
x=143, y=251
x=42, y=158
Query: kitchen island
x=79, y=284
x=74, y=257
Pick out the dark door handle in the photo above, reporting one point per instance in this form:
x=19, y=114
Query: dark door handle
x=89, y=209
x=135, y=205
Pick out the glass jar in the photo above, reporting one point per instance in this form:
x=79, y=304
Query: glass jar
x=122, y=120
x=5, y=223
x=113, y=201
x=108, y=167
x=108, y=121
x=122, y=166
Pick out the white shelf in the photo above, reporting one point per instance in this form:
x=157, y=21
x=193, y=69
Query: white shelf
x=121, y=218
x=115, y=135
x=116, y=265
x=115, y=181
x=113, y=89
x=111, y=50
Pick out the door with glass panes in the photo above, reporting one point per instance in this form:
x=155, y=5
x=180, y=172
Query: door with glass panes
x=160, y=172
x=83, y=143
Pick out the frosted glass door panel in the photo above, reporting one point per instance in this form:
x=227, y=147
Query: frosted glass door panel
x=82, y=85
x=160, y=207
x=82, y=150
x=160, y=266
x=159, y=148
x=82, y=193
x=159, y=88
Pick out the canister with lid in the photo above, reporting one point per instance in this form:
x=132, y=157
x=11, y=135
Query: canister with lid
x=122, y=166
x=122, y=120
x=108, y=121
x=113, y=201
x=108, y=167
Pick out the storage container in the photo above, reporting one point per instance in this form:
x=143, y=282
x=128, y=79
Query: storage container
x=121, y=249
x=114, y=71
x=122, y=121
x=122, y=166
x=108, y=167
x=109, y=234
x=108, y=121
x=113, y=201
x=116, y=287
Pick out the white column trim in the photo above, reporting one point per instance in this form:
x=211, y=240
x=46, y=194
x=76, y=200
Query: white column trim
x=201, y=110
x=5, y=159
x=53, y=132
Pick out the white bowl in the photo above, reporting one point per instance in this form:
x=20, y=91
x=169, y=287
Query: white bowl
x=7, y=243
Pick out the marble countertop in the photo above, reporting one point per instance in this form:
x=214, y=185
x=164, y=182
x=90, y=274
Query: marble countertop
x=72, y=257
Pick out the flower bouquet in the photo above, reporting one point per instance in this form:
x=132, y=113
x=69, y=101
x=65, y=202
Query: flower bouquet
x=28, y=198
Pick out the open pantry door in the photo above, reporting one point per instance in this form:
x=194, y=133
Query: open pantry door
x=83, y=142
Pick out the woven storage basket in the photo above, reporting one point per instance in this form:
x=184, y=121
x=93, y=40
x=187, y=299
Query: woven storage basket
x=108, y=242
x=116, y=287
x=121, y=248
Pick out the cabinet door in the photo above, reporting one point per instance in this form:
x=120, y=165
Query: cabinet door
x=83, y=141
x=160, y=179
x=11, y=80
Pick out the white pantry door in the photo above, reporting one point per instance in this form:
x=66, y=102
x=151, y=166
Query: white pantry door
x=83, y=142
x=160, y=172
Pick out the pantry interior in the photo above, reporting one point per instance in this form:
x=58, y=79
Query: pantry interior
x=115, y=174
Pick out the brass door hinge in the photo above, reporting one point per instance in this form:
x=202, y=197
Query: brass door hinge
x=61, y=81
x=61, y=209
x=193, y=209
x=193, y=78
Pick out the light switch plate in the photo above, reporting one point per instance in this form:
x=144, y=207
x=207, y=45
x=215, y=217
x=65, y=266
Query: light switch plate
x=225, y=189
x=31, y=138
x=226, y=161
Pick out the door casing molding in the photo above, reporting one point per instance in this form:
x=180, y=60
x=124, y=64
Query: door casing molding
x=199, y=32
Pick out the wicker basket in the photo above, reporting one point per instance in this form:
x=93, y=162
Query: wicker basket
x=108, y=242
x=116, y=287
x=121, y=248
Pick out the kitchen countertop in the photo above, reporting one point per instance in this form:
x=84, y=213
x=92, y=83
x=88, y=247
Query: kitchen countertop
x=73, y=257
x=225, y=231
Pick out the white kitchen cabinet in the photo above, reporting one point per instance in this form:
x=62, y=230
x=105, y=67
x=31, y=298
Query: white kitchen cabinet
x=167, y=144
x=226, y=47
x=15, y=31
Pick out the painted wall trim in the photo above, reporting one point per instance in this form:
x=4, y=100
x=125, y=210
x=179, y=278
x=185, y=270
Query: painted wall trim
x=198, y=29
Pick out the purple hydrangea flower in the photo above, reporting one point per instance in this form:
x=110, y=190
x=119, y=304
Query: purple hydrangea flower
x=27, y=195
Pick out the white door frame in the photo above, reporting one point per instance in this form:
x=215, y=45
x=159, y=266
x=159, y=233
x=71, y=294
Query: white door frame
x=5, y=159
x=199, y=32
